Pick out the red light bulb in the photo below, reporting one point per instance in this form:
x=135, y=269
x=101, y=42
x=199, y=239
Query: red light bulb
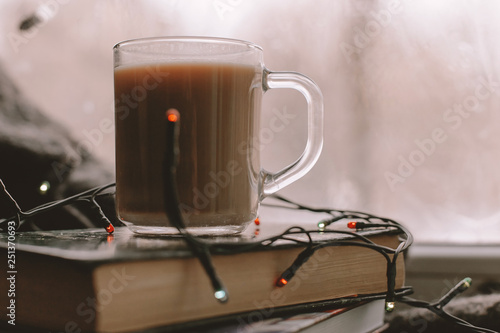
x=172, y=115
x=110, y=228
x=351, y=225
x=281, y=282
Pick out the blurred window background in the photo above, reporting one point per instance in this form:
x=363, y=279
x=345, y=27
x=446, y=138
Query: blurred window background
x=411, y=88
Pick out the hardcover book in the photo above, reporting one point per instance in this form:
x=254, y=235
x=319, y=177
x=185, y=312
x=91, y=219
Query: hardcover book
x=89, y=281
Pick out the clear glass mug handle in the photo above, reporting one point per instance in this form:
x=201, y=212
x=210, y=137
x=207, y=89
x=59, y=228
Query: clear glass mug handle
x=273, y=182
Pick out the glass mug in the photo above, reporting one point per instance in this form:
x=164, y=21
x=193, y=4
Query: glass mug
x=216, y=85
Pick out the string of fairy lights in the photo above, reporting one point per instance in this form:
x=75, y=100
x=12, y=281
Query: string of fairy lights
x=203, y=249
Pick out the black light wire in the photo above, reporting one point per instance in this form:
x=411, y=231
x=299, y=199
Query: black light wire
x=204, y=251
x=438, y=307
x=171, y=203
x=88, y=195
x=17, y=218
x=341, y=215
